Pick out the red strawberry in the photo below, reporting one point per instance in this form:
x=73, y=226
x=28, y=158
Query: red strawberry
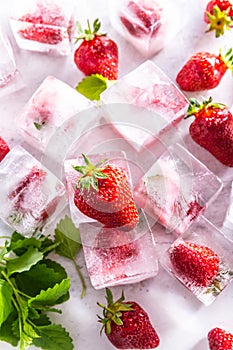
x=212, y=129
x=140, y=20
x=219, y=339
x=204, y=71
x=42, y=34
x=198, y=264
x=4, y=149
x=115, y=247
x=103, y=193
x=97, y=54
x=127, y=325
x=219, y=14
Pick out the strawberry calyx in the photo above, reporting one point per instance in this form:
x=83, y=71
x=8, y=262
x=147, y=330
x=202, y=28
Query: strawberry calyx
x=113, y=311
x=90, y=174
x=195, y=106
x=89, y=33
x=219, y=20
x=227, y=58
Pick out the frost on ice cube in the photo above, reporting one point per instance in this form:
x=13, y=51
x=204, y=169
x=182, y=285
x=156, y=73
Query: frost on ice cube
x=143, y=104
x=53, y=103
x=117, y=158
x=115, y=257
x=147, y=24
x=202, y=260
x=176, y=189
x=43, y=25
x=31, y=195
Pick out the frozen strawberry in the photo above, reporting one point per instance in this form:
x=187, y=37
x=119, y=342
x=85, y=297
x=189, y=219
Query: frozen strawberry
x=127, y=325
x=196, y=263
x=97, y=54
x=219, y=15
x=103, y=193
x=42, y=34
x=204, y=71
x=4, y=149
x=219, y=339
x=140, y=19
x=212, y=129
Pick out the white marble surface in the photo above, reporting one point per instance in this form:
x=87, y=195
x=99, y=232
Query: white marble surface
x=182, y=322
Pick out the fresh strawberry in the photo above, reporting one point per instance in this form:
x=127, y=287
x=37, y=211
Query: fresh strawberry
x=196, y=263
x=140, y=19
x=115, y=247
x=97, y=54
x=219, y=339
x=212, y=129
x=103, y=193
x=4, y=149
x=127, y=325
x=204, y=71
x=219, y=14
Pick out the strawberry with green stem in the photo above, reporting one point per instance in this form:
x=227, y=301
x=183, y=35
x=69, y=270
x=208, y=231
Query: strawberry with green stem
x=127, y=325
x=219, y=339
x=103, y=193
x=204, y=70
x=219, y=16
x=97, y=54
x=212, y=128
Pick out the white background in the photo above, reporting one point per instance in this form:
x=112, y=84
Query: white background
x=181, y=321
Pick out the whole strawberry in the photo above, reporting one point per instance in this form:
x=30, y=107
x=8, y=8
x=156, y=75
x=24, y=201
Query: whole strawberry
x=197, y=264
x=204, y=71
x=212, y=129
x=219, y=15
x=4, y=149
x=103, y=193
x=219, y=339
x=97, y=54
x=127, y=325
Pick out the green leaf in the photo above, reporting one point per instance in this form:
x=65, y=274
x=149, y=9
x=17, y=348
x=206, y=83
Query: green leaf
x=43, y=320
x=6, y=332
x=50, y=296
x=24, y=262
x=53, y=337
x=6, y=307
x=92, y=86
x=41, y=276
x=67, y=234
x=30, y=330
x=21, y=245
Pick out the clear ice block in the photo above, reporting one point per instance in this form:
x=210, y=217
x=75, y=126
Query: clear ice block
x=43, y=25
x=144, y=103
x=147, y=24
x=117, y=158
x=228, y=220
x=31, y=196
x=53, y=103
x=115, y=257
x=176, y=189
x=206, y=283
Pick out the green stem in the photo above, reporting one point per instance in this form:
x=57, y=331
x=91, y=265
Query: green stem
x=84, y=287
x=50, y=248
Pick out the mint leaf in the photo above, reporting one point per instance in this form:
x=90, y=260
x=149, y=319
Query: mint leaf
x=53, y=337
x=6, y=333
x=67, y=234
x=24, y=262
x=39, y=277
x=92, y=86
x=6, y=307
x=50, y=296
x=19, y=243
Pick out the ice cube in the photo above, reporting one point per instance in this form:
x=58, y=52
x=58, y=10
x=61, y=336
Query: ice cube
x=228, y=220
x=143, y=104
x=147, y=24
x=205, y=280
x=53, y=103
x=31, y=195
x=115, y=257
x=43, y=25
x=117, y=158
x=176, y=189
